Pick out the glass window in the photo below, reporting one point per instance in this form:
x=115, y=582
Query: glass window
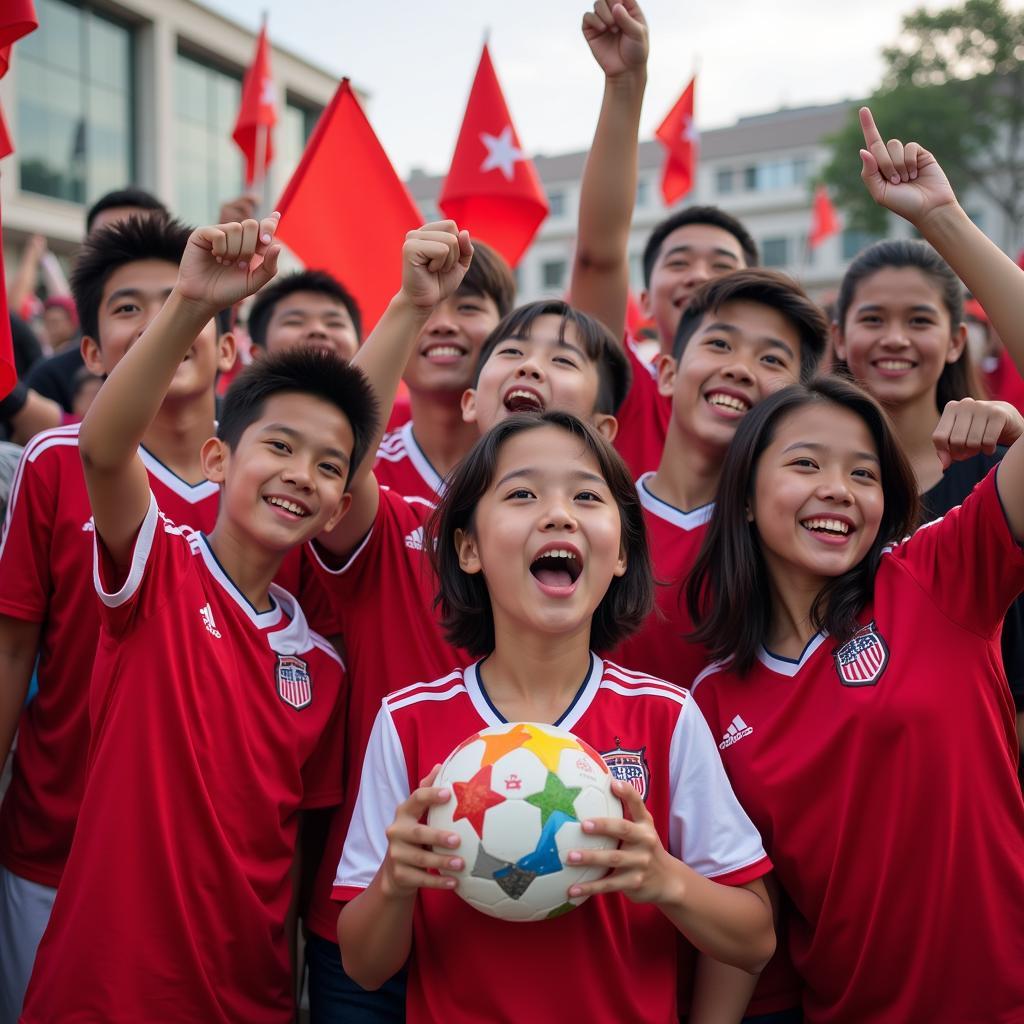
x=208, y=165
x=724, y=180
x=853, y=241
x=552, y=274
x=775, y=252
x=750, y=178
x=556, y=204
x=291, y=134
x=76, y=137
x=643, y=192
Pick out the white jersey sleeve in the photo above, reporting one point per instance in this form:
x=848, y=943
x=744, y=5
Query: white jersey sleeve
x=708, y=829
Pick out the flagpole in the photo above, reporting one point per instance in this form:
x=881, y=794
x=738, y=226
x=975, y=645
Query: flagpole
x=262, y=135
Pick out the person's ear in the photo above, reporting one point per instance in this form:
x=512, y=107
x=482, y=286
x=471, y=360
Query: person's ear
x=957, y=344
x=227, y=351
x=621, y=564
x=92, y=356
x=469, y=555
x=838, y=341
x=668, y=369
x=645, y=304
x=468, y=403
x=214, y=457
x=339, y=512
x=606, y=425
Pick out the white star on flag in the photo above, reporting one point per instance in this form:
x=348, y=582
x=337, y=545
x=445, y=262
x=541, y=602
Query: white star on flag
x=268, y=95
x=502, y=153
x=690, y=132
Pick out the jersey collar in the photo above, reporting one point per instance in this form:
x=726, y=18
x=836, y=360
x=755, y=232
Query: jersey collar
x=676, y=516
x=262, y=620
x=787, y=666
x=419, y=460
x=192, y=493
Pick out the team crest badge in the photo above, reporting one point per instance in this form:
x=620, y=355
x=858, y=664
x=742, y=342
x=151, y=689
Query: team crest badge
x=294, y=686
x=629, y=766
x=862, y=660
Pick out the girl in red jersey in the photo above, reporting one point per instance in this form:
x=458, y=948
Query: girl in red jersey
x=541, y=556
x=865, y=719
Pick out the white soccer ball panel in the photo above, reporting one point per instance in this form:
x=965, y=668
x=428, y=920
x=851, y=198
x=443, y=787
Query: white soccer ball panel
x=577, y=768
x=511, y=829
x=462, y=765
x=518, y=774
x=597, y=802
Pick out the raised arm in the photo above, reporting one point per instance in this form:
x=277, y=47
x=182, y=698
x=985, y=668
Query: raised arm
x=221, y=265
x=435, y=259
x=617, y=36
x=908, y=180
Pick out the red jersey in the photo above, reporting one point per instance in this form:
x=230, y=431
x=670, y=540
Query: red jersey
x=383, y=598
x=1003, y=380
x=213, y=724
x=610, y=959
x=882, y=775
x=674, y=538
x=403, y=467
x=643, y=417
x=46, y=577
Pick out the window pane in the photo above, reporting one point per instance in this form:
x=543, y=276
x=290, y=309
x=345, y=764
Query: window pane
x=750, y=178
x=775, y=252
x=643, y=192
x=556, y=204
x=109, y=54
x=723, y=180
x=553, y=274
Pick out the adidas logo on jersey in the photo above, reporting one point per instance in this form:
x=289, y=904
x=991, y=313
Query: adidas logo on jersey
x=414, y=540
x=736, y=731
x=88, y=526
x=206, y=614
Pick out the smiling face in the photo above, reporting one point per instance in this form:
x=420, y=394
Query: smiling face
x=132, y=297
x=312, y=319
x=533, y=374
x=817, y=502
x=739, y=354
x=449, y=344
x=546, y=535
x=897, y=336
x=689, y=257
x=285, y=480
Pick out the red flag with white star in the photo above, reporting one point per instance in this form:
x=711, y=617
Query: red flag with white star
x=679, y=135
x=257, y=114
x=824, y=218
x=492, y=188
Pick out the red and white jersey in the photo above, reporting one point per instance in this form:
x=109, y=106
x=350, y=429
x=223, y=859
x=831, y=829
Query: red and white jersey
x=882, y=775
x=403, y=467
x=643, y=417
x=46, y=577
x=213, y=724
x=383, y=600
x=609, y=960
x=674, y=538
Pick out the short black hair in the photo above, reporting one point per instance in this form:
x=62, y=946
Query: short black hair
x=306, y=371
x=491, y=276
x=318, y=281
x=601, y=346
x=463, y=598
x=130, y=196
x=697, y=215
x=768, y=288
x=110, y=248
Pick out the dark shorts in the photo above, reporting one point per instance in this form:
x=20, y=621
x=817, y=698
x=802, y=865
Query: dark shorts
x=334, y=998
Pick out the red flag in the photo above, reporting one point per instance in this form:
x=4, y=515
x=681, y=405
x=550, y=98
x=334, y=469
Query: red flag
x=6, y=145
x=346, y=210
x=8, y=372
x=257, y=114
x=824, y=218
x=679, y=135
x=17, y=19
x=492, y=188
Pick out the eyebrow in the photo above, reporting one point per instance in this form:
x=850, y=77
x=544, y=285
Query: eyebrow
x=559, y=343
x=692, y=248
x=131, y=293
x=815, y=447
x=767, y=339
x=921, y=307
x=280, y=428
x=529, y=471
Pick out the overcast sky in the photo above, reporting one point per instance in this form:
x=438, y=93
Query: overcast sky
x=417, y=58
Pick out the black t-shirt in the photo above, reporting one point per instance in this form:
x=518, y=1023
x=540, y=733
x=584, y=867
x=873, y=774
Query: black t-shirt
x=55, y=377
x=957, y=482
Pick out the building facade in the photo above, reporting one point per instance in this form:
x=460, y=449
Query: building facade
x=144, y=92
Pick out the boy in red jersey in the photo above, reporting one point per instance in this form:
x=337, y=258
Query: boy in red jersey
x=684, y=251
x=214, y=709
x=47, y=609
x=414, y=458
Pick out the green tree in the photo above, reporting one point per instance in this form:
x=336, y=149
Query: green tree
x=954, y=82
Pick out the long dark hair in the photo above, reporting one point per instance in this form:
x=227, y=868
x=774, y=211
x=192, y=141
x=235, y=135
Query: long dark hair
x=728, y=593
x=959, y=379
x=463, y=598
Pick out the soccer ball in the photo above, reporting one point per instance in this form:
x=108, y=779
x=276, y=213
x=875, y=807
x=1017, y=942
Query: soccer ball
x=519, y=794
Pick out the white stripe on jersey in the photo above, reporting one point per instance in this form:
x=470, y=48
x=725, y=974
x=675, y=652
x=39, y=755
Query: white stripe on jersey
x=626, y=675
x=443, y=681
x=419, y=698
x=645, y=691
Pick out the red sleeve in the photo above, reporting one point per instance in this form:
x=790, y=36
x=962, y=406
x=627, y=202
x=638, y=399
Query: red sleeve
x=968, y=561
x=643, y=418
x=160, y=561
x=323, y=772
x=25, y=582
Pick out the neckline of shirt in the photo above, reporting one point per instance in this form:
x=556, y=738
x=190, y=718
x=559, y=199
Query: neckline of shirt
x=698, y=516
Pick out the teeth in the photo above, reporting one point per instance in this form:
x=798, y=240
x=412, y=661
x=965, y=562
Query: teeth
x=558, y=553
x=895, y=364
x=444, y=350
x=519, y=393
x=829, y=525
x=289, y=506
x=728, y=401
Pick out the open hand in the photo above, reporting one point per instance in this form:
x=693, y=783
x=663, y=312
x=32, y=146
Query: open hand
x=409, y=859
x=226, y=263
x=968, y=427
x=906, y=179
x=435, y=259
x=616, y=32
x=641, y=867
